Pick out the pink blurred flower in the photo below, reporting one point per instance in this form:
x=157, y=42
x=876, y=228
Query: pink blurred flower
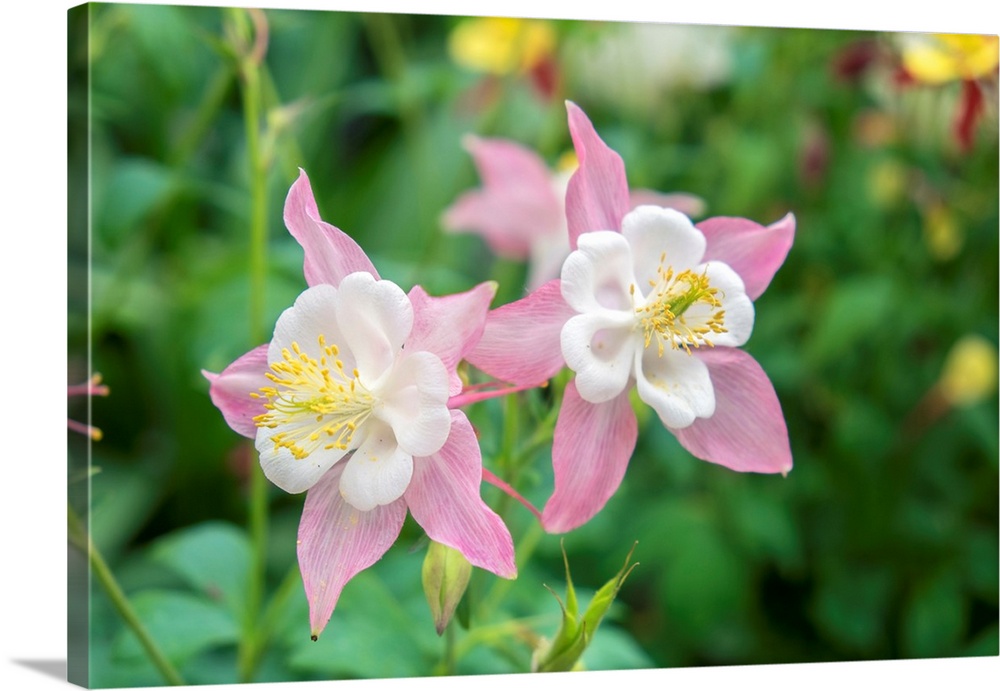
x=651, y=301
x=350, y=403
x=520, y=210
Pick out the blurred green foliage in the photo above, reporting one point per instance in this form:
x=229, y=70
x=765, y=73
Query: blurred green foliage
x=881, y=543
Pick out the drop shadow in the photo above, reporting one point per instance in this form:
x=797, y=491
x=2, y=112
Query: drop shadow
x=51, y=668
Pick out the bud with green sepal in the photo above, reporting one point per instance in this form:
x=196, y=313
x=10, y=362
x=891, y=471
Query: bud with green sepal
x=445, y=575
x=576, y=631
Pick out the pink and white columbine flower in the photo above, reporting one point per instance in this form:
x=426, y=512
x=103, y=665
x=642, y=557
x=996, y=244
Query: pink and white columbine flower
x=520, y=210
x=350, y=403
x=646, y=299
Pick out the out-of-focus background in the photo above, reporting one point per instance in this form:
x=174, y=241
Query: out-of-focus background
x=879, y=332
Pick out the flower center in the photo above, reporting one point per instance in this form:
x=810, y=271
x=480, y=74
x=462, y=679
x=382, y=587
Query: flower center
x=317, y=404
x=667, y=315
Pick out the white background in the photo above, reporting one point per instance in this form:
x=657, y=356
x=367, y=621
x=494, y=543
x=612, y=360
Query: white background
x=32, y=336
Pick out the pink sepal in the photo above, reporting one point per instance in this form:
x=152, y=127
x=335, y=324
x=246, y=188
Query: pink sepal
x=449, y=326
x=230, y=390
x=520, y=344
x=590, y=452
x=597, y=197
x=516, y=204
x=747, y=432
x=330, y=253
x=336, y=542
x=753, y=251
x=444, y=499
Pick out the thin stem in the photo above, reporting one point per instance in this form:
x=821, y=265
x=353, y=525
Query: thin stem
x=251, y=90
x=508, y=458
x=449, y=650
x=269, y=620
x=208, y=111
x=503, y=630
x=79, y=537
x=474, y=394
x=500, y=484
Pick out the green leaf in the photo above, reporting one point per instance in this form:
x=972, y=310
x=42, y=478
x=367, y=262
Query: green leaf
x=371, y=634
x=852, y=606
x=181, y=624
x=136, y=186
x=615, y=649
x=213, y=558
x=935, y=617
x=122, y=499
x=857, y=309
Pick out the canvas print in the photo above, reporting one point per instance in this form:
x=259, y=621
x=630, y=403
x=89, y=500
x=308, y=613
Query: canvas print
x=414, y=345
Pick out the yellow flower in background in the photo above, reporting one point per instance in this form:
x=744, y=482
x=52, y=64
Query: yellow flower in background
x=970, y=371
x=567, y=162
x=942, y=233
x=939, y=58
x=501, y=45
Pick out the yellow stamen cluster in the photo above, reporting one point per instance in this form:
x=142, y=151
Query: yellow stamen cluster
x=319, y=404
x=662, y=317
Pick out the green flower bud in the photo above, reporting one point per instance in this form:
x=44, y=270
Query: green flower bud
x=563, y=652
x=445, y=575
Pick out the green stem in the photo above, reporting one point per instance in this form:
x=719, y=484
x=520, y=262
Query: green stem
x=449, y=650
x=390, y=55
x=208, y=111
x=503, y=630
x=269, y=620
x=79, y=537
x=508, y=458
x=251, y=91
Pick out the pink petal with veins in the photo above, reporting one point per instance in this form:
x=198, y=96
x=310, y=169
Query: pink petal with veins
x=520, y=344
x=337, y=541
x=590, y=452
x=444, y=499
x=230, y=390
x=449, y=326
x=330, y=254
x=754, y=251
x=597, y=197
x=747, y=432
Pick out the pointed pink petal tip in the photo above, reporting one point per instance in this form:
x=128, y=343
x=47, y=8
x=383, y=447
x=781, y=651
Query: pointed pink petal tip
x=597, y=196
x=330, y=254
x=230, y=390
x=753, y=251
x=337, y=541
x=747, y=432
x=444, y=498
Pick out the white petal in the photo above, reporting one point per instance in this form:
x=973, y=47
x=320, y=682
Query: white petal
x=379, y=471
x=376, y=317
x=292, y=474
x=739, y=317
x=313, y=314
x=676, y=385
x=600, y=347
x=598, y=274
x=415, y=403
x=653, y=232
